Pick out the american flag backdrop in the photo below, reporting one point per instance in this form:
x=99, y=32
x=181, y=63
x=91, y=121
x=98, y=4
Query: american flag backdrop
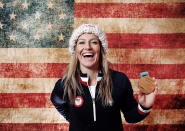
x=143, y=35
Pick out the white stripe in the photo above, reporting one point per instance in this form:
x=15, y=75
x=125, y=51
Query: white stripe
x=171, y=116
x=142, y=110
x=115, y=55
x=30, y=115
x=27, y=85
x=46, y=85
x=84, y=79
x=92, y=90
x=50, y=115
x=136, y=25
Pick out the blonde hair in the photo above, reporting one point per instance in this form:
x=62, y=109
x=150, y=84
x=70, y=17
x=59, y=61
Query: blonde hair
x=71, y=82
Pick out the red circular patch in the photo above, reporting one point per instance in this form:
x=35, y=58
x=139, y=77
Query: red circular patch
x=78, y=102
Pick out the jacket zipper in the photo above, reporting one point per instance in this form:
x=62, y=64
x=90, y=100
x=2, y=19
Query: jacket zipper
x=93, y=102
x=93, y=99
x=94, y=109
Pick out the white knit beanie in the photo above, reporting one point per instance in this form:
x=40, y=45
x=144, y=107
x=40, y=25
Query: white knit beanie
x=87, y=28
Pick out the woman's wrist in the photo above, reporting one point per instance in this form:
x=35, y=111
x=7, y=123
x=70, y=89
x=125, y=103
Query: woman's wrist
x=144, y=110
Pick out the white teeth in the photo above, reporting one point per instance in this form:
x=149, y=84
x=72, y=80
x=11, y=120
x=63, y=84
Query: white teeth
x=87, y=54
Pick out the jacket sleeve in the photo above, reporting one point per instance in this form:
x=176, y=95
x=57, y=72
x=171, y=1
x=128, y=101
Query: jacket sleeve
x=133, y=112
x=57, y=100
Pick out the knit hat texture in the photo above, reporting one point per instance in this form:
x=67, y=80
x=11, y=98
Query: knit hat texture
x=87, y=28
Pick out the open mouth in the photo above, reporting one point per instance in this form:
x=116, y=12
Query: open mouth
x=88, y=55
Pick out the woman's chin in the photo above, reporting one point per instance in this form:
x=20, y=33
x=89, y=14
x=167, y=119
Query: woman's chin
x=90, y=65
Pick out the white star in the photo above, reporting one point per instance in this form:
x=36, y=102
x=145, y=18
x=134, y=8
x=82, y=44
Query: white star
x=24, y=26
x=62, y=16
x=1, y=5
x=12, y=16
x=50, y=5
x=25, y=5
x=37, y=37
x=1, y=25
x=61, y=37
x=49, y=26
x=37, y=15
x=12, y=37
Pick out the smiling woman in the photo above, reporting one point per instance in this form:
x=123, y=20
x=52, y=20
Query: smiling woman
x=90, y=95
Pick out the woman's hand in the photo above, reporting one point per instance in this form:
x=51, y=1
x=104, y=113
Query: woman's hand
x=147, y=100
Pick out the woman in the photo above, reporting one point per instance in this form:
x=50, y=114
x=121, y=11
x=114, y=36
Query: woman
x=90, y=95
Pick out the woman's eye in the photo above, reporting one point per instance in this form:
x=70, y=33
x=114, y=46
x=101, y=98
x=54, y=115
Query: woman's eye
x=94, y=42
x=81, y=42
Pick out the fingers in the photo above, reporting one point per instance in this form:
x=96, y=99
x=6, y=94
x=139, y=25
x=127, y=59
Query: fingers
x=156, y=86
x=141, y=97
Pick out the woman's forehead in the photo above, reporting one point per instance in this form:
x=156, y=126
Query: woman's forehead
x=88, y=36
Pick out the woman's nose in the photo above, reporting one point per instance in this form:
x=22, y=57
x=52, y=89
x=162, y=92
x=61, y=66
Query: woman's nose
x=87, y=45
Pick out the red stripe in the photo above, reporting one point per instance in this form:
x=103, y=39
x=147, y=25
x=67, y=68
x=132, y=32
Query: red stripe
x=42, y=100
x=65, y=127
x=34, y=127
x=54, y=70
x=31, y=70
x=82, y=82
x=168, y=101
x=140, y=112
x=25, y=100
x=146, y=41
x=156, y=127
x=129, y=10
x=159, y=71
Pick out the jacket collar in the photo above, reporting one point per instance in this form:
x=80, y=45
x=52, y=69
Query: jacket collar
x=83, y=78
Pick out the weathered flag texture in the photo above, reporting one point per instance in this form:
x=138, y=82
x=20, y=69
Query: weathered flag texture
x=143, y=35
